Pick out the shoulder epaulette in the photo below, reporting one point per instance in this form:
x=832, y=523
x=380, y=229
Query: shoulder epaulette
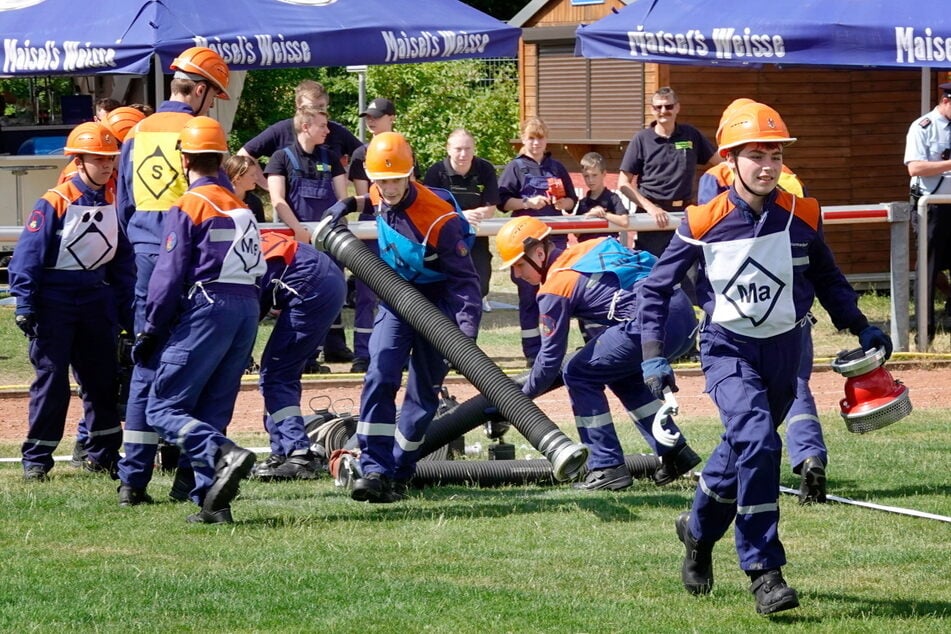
x=925, y=122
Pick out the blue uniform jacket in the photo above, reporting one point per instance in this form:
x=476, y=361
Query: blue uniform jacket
x=567, y=293
x=295, y=270
x=33, y=272
x=447, y=242
x=728, y=217
x=147, y=228
x=198, y=238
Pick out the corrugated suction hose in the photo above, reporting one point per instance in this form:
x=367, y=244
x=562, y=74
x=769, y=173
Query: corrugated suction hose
x=566, y=456
x=491, y=473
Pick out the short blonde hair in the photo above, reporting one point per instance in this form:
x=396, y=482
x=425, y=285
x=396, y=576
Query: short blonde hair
x=306, y=115
x=592, y=160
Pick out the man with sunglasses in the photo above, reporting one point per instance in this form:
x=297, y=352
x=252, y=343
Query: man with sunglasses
x=659, y=167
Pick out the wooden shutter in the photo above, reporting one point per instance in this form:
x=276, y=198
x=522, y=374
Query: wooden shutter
x=582, y=99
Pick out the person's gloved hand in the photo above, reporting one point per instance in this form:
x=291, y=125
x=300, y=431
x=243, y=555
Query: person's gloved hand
x=873, y=337
x=657, y=375
x=341, y=208
x=144, y=348
x=27, y=323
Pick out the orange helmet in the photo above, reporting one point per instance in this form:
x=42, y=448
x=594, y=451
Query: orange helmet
x=121, y=120
x=735, y=105
x=200, y=63
x=753, y=123
x=518, y=235
x=202, y=134
x=91, y=138
x=388, y=156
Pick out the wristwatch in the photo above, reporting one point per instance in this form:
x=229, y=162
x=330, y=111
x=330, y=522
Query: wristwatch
x=524, y=202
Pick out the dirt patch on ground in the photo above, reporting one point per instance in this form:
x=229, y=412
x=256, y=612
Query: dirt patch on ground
x=930, y=387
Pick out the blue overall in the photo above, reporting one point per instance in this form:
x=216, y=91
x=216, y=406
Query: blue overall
x=203, y=295
x=310, y=195
x=72, y=271
x=365, y=304
x=308, y=291
x=803, y=427
x=751, y=377
x=425, y=241
x=524, y=177
x=597, y=281
x=144, y=225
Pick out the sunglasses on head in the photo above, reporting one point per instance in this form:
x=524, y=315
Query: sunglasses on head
x=664, y=106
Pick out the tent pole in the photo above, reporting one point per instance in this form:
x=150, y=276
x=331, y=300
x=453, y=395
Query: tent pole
x=159, y=81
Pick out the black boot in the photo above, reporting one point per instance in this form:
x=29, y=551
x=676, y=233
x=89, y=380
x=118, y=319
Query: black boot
x=182, y=484
x=374, y=488
x=812, y=489
x=129, y=496
x=697, y=570
x=772, y=594
x=233, y=465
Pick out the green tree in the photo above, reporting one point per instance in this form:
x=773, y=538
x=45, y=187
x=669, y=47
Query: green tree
x=432, y=99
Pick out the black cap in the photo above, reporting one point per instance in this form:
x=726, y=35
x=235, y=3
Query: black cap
x=379, y=107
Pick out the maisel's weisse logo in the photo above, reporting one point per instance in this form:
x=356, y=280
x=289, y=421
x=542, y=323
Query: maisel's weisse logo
x=911, y=47
x=401, y=45
x=29, y=55
x=262, y=49
x=726, y=43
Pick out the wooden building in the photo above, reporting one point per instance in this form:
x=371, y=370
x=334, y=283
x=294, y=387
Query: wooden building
x=851, y=124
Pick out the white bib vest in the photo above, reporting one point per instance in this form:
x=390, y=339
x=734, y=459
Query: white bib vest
x=752, y=280
x=89, y=237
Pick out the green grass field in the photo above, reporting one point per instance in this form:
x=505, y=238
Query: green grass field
x=303, y=557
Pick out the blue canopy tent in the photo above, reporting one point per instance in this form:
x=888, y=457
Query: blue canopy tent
x=863, y=33
x=65, y=37
x=882, y=33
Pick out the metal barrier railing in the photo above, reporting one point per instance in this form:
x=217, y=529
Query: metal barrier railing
x=896, y=214
x=921, y=287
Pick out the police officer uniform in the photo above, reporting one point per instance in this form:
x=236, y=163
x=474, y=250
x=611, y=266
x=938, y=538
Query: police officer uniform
x=929, y=139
